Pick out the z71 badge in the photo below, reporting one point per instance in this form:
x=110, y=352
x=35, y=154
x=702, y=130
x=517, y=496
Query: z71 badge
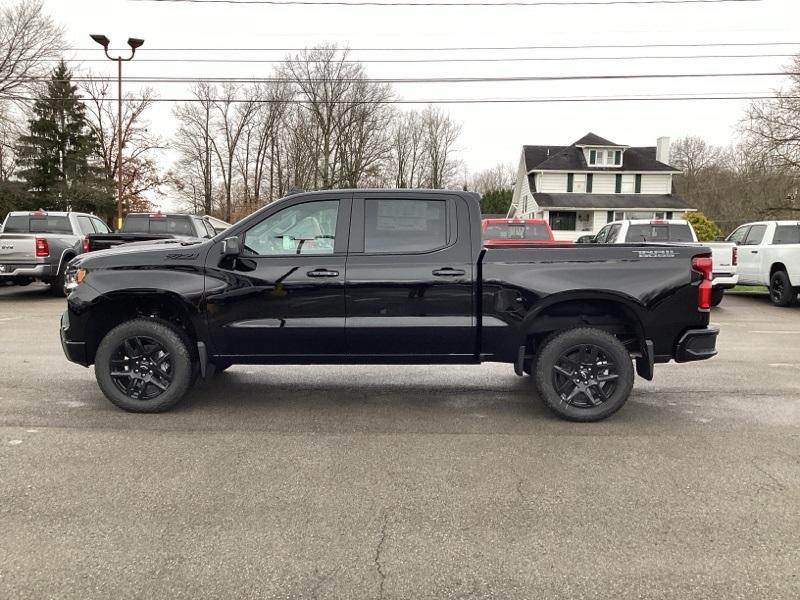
x=655, y=253
x=186, y=256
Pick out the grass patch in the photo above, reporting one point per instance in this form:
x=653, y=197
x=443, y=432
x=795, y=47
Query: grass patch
x=749, y=288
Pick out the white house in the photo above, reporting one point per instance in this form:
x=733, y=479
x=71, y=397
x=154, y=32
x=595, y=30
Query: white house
x=581, y=187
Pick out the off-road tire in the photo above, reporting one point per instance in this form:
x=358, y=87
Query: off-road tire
x=561, y=342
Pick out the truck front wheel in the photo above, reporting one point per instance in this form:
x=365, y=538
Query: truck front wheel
x=584, y=374
x=144, y=366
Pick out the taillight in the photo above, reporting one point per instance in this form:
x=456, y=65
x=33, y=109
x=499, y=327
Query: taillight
x=42, y=248
x=735, y=256
x=703, y=265
x=85, y=244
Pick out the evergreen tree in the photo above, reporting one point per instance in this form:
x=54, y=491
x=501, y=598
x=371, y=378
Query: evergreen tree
x=56, y=155
x=496, y=202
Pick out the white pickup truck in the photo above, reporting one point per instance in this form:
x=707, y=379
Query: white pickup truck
x=724, y=255
x=769, y=254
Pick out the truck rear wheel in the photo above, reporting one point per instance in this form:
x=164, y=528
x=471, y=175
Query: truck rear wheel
x=144, y=366
x=781, y=292
x=584, y=374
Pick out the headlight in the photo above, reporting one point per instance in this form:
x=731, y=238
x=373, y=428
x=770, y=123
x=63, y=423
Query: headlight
x=73, y=277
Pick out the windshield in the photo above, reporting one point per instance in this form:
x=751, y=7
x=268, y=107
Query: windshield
x=37, y=224
x=516, y=231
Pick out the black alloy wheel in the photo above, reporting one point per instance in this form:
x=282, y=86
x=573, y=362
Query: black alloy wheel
x=584, y=376
x=781, y=292
x=141, y=368
x=145, y=365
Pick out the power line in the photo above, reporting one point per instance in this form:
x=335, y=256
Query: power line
x=402, y=80
x=462, y=48
x=439, y=60
x=663, y=98
x=460, y=4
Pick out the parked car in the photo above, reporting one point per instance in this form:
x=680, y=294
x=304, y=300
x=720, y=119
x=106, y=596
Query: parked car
x=145, y=227
x=36, y=246
x=769, y=254
x=515, y=232
x=418, y=288
x=724, y=254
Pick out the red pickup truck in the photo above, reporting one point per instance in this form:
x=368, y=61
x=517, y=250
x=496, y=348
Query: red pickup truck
x=515, y=232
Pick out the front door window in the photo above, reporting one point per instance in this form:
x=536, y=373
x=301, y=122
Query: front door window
x=308, y=228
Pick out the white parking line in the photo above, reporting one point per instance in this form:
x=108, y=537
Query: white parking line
x=781, y=332
x=9, y=318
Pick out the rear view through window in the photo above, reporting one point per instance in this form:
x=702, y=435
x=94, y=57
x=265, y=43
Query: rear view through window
x=404, y=225
x=37, y=224
x=659, y=232
x=516, y=231
x=174, y=224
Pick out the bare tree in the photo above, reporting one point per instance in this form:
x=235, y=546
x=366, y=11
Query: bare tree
x=193, y=140
x=29, y=42
x=499, y=177
x=408, y=163
x=232, y=117
x=140, y=173
x=441, y=134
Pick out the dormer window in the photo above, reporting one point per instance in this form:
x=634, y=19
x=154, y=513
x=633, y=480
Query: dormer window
x=605, y=158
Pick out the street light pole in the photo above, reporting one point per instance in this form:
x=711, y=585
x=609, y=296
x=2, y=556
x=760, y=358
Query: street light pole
x=134, y=43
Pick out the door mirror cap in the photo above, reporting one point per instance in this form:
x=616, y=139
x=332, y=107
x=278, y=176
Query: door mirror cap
x=231, y=246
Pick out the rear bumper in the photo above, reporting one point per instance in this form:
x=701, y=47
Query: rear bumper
x=74, y=351
x=697, y=344
x=724, y=280
x=9, y=271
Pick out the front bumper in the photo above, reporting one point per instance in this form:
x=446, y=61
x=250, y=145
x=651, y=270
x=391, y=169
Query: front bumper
x=697, y=344
x=74, y=351
x=33, y=271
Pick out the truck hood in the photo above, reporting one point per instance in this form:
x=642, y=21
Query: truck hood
x=142, y=254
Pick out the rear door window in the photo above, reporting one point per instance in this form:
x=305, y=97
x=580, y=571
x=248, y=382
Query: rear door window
x=738, y=235
x=787, y=234
x=404, y=226
x=99, y=226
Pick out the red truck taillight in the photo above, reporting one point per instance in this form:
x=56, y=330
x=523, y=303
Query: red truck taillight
x=42, y=248
x=735, y=256
x=85, y=244
x=703, y=265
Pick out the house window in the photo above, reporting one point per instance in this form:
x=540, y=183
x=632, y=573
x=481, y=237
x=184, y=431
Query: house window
x=638, y=185
x=592, y=157
x=618, y=157
x=570, y=181
x=524, y=204
x=609, y=216
x=589, y=180
x=562, y=220
x=618, y=183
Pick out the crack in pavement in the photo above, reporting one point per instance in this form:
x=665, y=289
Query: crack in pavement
x=377, y=560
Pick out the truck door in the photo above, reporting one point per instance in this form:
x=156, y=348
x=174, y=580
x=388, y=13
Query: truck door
x=283, y=296
x=751, y=252
x=409, y=284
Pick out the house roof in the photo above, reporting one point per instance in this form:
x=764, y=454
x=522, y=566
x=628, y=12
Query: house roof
x=572, y=158
x=612, y=201
x=592, y=139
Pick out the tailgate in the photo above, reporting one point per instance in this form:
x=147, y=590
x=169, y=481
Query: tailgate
x=17, y=248
x=722, y=257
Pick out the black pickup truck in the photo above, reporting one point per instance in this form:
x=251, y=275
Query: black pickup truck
x=386, y=277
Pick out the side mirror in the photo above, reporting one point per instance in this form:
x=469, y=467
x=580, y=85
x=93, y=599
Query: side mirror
x=231, y=246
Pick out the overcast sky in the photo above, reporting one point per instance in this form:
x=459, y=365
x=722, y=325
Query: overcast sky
x=492, y=132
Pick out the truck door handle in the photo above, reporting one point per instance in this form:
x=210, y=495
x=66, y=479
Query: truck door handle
x=753, y=251
x=448, y=272
x=322, y=273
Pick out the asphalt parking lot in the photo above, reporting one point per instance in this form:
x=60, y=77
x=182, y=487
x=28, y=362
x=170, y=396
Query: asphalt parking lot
x=401, y=482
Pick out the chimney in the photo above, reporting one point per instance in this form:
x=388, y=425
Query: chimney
x=662, y=150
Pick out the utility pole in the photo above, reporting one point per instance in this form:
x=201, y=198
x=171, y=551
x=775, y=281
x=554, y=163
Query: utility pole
x=134, y=43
